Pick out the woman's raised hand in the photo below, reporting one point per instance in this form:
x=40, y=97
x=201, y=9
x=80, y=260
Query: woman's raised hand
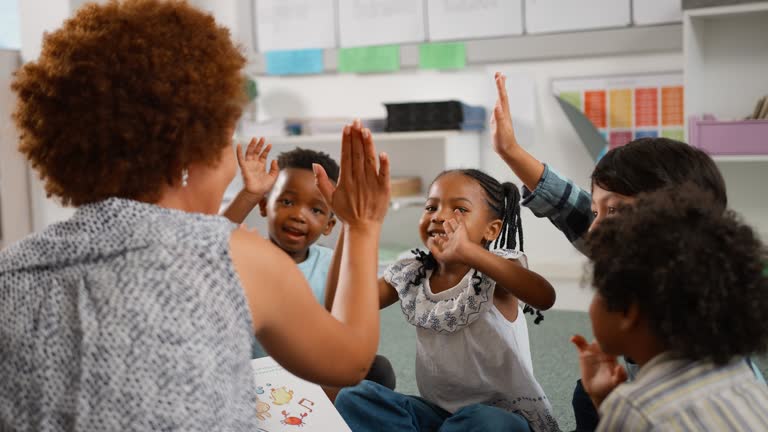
x=361, y=196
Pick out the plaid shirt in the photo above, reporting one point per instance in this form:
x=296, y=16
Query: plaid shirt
x=566, y=205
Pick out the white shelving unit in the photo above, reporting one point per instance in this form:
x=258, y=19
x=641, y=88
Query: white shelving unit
x=726, y=70
x=421, y=154
x=726, y=59
x=739, y=159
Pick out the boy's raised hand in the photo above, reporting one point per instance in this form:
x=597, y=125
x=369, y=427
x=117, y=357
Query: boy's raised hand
x=361, y=196
x=257, y=181
x=600, y=372
x=451, y=247
x=502, y=132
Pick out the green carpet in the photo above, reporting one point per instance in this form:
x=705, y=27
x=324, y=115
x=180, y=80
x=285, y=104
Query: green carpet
x=554, y=358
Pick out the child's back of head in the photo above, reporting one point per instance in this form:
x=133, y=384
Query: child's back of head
x=696, y=273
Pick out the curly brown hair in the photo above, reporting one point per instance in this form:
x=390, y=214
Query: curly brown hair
x=124, y=96
x=694, y=271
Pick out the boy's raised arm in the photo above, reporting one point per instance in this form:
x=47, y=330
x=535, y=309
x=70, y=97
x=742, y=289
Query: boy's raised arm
x=257, y=180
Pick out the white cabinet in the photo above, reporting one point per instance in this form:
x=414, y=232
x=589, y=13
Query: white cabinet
x=651, y=12
x=546, y=16
x=726, y=59
x=473, y=19
x=726, y=71
x=422, y=154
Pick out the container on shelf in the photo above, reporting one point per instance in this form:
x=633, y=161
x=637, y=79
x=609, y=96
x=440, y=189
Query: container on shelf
x=722, y=137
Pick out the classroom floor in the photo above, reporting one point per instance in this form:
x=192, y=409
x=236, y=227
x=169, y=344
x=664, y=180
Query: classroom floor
x=554, y=358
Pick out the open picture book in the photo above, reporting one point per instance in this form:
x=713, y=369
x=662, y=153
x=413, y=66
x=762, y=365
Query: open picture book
x=288, y=403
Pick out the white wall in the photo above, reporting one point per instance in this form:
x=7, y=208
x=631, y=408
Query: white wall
x=554, y=140
x=36, y=18
x=15, y=220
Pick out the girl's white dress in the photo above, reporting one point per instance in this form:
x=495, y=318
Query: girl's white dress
x=467, y=351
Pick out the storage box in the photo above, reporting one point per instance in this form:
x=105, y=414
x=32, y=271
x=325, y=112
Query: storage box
x=717, y=137
x=440, y=115
x=405, y=186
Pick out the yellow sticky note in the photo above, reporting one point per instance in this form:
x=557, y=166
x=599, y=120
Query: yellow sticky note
x=620, y=102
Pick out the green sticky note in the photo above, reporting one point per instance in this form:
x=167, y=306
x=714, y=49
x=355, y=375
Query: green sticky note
x=573, y=98
x=675, y=134
x=442, y=55
x=384, y=58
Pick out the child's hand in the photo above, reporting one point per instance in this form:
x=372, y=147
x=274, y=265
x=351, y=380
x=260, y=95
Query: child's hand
x=503, y=134
x=253, y=166
x=600, y=372
x=362, y=194
x=452, y=247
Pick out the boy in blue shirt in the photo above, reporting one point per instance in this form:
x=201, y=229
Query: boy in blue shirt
x=296, y=212
x=297, y=215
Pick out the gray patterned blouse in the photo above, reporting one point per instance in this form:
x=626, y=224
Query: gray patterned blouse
x=128, y=316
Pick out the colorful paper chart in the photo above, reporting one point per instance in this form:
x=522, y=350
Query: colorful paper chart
x=625, y=108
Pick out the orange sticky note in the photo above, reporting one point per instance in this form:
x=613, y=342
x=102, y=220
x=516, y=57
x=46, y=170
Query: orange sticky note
x=672, y=106
x=594, y=107
x=646, y=107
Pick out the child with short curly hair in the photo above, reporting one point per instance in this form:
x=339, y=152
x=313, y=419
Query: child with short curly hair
x=680, y=288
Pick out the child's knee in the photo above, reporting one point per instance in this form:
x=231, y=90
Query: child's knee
x=352, y=396
x=483, y=417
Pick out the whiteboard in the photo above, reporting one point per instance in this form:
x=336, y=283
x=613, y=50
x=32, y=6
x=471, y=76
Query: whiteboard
x=544, y=16
x=295, y=24
x=646, y=12
x=468, y=19
x=380, y=22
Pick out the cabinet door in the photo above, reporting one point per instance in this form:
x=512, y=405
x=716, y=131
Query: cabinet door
x=380, y=22
x=545, y=16
x=474, y=19
x=649, y=12
x=295, y=24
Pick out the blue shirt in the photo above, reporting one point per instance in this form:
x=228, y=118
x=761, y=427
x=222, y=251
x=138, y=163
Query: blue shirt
x=315, y=269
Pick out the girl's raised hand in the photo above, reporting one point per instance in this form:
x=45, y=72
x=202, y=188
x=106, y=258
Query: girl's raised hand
x=361, y=196
x=600, y=372
x=451, y=247
x=257, y=181
x=502, y=132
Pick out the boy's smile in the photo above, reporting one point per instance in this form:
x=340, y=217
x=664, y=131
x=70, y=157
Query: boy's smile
x=297, y=213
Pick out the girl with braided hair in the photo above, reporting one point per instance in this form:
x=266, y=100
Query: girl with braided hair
x=473, y=361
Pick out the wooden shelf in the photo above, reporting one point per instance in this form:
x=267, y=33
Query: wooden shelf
x=398, y=203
